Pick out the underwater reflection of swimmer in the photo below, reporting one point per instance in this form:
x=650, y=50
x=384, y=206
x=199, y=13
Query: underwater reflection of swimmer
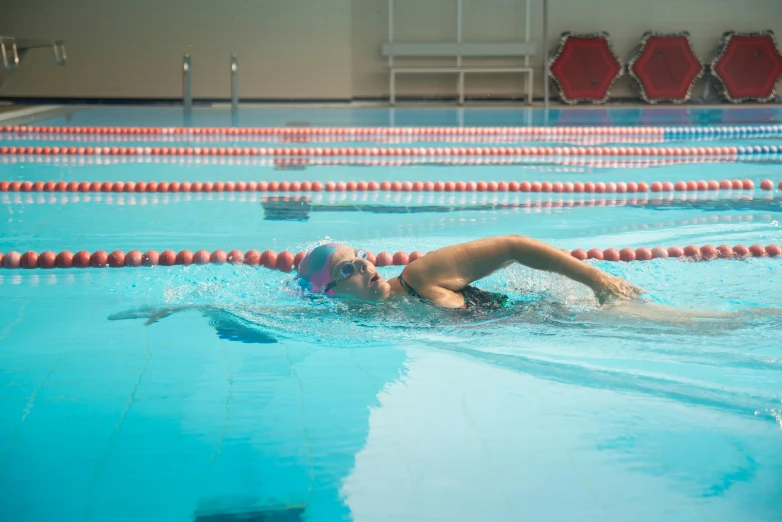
x=253, y=325
x=228, y=326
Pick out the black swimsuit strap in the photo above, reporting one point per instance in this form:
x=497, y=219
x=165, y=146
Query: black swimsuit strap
x=409, y=289
x=474, y=298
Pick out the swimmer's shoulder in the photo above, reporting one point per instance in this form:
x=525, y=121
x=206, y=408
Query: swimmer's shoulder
x=417, y=275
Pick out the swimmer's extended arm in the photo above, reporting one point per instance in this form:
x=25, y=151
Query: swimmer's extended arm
x=227, y=325
x=439, y=274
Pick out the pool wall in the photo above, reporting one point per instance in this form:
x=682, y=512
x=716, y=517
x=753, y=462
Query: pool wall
x=325, y=49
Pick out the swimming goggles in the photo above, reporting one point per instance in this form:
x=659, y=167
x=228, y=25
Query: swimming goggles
x=346, y=270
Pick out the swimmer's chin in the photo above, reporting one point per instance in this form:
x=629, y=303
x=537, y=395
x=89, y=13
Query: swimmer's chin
x=383, y=290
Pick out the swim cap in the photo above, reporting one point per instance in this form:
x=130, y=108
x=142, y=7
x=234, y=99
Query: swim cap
x=314, y=271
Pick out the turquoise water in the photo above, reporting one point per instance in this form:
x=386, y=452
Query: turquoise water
x=422, y=117
x=250, y=402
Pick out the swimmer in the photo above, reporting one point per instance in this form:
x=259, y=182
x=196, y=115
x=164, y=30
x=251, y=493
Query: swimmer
x=444, y=277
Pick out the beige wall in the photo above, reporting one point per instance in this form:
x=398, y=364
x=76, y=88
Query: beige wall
x=133, y=49
x=325, y=49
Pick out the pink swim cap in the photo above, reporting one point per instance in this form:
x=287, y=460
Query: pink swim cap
x=315, y=269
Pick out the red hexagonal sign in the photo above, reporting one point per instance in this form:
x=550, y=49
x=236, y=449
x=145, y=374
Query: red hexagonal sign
x=666, y=67
x=585, y=67
x=748, y=65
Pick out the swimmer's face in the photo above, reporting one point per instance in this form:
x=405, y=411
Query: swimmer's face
x=364, y=283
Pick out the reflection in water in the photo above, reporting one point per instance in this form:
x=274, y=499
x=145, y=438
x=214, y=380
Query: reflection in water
x=227, y=325
x=498, y=437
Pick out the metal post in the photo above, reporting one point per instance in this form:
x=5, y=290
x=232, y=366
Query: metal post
x=60, y=56
x=390, y=31
x=391, y=83
x=545, y=58
x=234, y=84
x=460, y=77
x=14, y=62
x=459, y=32
x=187, y=93
x=527, y=23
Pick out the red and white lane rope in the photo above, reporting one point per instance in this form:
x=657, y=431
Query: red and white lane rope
x=364, y=132
x=284, y=163
x=293, y=137
x=724, y=152
x=286, y=261
x=599, y=187
x=539, y=203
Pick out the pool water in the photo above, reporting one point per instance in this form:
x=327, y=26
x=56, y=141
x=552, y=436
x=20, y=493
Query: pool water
x=420, y=116
x=247, y=402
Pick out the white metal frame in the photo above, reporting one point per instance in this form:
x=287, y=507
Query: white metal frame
x=457, y=51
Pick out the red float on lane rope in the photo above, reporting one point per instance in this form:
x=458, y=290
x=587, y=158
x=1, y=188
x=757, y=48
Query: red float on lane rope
x=116, y=259
x=29, y=260
x=134, y=258
x=643, y=254
x=12, y=260
x=81, y=259
x=580, y=254
x=659, y=252
x=201, y=257
x=675, y=251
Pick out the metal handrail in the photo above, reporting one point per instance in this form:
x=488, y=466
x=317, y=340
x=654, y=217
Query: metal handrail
x=19, y=47
x=14, y=54
x=234, y=83
x=187, y=93
x=60, y=56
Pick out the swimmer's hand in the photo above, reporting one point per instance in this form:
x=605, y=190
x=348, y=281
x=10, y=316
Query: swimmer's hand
x=611, y=288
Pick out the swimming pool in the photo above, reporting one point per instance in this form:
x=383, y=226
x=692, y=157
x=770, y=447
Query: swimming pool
x=259, y=405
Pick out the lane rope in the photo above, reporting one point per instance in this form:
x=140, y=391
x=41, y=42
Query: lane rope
x=671, y=131
x=312, y=138
x=588, y=187
x=297, y=163
x=726, y=152
x=392, y=151
x=286, y=261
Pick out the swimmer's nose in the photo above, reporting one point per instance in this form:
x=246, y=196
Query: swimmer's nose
x=361, y=265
